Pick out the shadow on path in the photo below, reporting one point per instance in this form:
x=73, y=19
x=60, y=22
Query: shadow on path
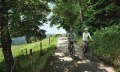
x=63, y=62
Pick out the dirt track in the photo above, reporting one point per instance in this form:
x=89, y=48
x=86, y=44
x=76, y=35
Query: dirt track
x=62, y=62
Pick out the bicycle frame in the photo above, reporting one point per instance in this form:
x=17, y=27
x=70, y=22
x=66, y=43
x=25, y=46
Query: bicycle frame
x=85, y=47
x=87, y=50
x=71, y=49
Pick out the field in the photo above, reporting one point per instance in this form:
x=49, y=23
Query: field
x=25, y=62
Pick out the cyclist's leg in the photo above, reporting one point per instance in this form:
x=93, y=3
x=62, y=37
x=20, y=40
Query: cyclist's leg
x=73, y=48
x=89, y=52
x=84, y=50
x=87, y=47
x=84, y=47
x=70, y=47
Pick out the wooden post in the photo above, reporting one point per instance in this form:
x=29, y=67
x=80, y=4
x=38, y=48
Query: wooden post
x=30, y=52
x=26, y=52
x=30, y=56
x=49, y=40
x=40, y=46
x=17, y=66
x=41, y=50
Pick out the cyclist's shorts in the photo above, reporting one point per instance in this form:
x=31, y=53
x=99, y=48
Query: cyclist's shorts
x=84, y=43
x=71, y=42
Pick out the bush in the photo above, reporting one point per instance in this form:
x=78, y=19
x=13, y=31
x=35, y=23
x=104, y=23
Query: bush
x=107, y=45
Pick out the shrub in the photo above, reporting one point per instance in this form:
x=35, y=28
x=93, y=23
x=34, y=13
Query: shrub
x=107, y=45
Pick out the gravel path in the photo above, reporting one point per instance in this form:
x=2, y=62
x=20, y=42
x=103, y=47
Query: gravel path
x=63, y=62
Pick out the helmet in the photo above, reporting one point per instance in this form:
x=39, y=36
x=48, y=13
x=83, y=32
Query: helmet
x=86, y=28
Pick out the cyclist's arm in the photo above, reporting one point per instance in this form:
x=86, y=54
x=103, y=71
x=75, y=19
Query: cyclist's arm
x=68, y=37
x=83, y=36
x=90, y=36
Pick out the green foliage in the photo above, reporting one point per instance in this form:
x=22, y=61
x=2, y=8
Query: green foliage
x=26, y=16
x=79, y=41
x=19, y=53
x=107, y=44
x=102, y=13
x=64, y=14
x=95, y=13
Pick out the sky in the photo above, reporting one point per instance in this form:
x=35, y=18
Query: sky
x=54, y=29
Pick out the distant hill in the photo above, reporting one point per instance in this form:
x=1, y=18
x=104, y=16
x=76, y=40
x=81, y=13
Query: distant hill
x=19, y=41
x=54, y=35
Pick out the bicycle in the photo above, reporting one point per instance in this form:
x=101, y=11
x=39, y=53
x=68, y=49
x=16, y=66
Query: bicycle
x=87, y=52
x=71, y=48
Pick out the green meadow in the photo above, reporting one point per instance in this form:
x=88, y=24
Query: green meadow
x=26, y=63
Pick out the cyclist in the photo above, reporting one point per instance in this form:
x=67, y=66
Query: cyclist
x=85, y=39
x=70, y=36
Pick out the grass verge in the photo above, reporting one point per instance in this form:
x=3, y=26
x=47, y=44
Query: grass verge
x=25, y=62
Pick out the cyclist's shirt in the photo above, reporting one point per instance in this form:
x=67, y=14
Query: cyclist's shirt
x=86, y=36
x=70, y=36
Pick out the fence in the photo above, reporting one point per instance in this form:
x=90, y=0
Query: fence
x=17, y=66
x=28, y=55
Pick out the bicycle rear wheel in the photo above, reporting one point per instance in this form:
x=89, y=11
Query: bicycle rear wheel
x=89, y=55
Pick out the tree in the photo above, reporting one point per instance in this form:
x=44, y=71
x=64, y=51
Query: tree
x=78, y=14
x=16, y=15
x=65, y=13
x=5, y=37
x=27, y=16
x=68, y=14
x=102, y=13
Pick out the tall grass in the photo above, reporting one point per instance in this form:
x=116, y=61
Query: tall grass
x=23, y=60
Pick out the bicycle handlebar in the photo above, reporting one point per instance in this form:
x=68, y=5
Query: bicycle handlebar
x=90, y=41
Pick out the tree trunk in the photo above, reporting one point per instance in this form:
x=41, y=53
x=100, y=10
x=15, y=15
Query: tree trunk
x=6, y=39
x=81, y=12
x=81, y=15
